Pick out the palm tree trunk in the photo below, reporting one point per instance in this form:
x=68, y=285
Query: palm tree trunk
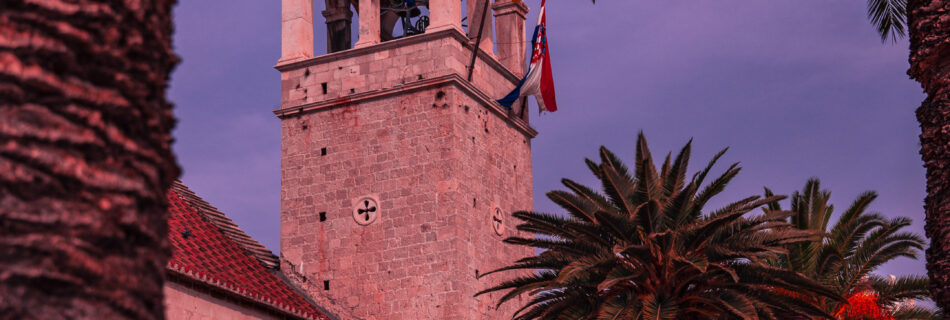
x=929, y=31
x=85, y=158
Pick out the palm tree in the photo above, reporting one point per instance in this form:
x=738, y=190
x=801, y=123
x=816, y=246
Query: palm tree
x=855, y=245
x=85, y=158
x=646, y=249
x=925, y=21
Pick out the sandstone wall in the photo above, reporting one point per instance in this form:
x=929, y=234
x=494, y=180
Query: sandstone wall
x=435, y=153
x=184, y=303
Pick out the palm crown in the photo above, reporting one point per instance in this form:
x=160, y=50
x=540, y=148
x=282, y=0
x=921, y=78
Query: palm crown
x=646, y=248
x=858, y=243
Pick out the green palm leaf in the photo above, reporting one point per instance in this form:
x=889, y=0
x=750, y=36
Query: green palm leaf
x=858, y=242
x=644, y=247
x=889, y=17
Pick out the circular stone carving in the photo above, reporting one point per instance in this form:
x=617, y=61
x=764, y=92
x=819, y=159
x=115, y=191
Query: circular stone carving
x=366, y=210
x=498, y=221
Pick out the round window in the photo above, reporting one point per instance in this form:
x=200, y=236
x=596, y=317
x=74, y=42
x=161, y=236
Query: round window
x=498, y=221
x=366, y=210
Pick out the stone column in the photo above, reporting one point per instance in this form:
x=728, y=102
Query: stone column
x=474, y=9
x=369, y=23
x=296, y=30
x=339, y=20
x=445, y=14
x=512, y=44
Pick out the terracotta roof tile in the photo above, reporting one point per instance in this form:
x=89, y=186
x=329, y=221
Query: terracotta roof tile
x=228, y=227
x=210, y=248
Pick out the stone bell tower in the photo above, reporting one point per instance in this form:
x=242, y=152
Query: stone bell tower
x=398, y=173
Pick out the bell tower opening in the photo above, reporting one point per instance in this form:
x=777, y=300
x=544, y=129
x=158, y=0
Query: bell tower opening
x=389, y=214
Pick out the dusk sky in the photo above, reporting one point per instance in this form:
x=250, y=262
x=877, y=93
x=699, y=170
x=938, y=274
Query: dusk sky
x=795, y=89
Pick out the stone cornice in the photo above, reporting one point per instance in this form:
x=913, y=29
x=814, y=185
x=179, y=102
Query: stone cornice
x=405, y=41
x=453, y=79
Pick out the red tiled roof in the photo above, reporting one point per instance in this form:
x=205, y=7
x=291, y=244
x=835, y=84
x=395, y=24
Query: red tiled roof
x=204, y=252
x=226, y=226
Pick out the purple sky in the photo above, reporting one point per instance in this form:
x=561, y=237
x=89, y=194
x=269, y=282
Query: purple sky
x=795, y=89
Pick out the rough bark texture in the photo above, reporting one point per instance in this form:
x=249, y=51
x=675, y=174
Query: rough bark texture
x=85, y=157
x=929, y=29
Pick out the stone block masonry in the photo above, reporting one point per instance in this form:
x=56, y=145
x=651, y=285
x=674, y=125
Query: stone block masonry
x=186, y=303
x=389, y=65
x=397, y=122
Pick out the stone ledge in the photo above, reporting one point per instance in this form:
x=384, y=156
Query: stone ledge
x=453, y=79
x=489, y=59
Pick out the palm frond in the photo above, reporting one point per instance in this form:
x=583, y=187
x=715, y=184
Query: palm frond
x=644, y=246
x=857, y=244
x=900, y=288
x=916, y=313
x=889, y=17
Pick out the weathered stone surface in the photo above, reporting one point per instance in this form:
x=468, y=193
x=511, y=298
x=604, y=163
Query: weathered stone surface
x=437, y=154
x=474, y=8
x=368, y=23
x=510, y=24
x=388, y=65
x=445, y=14
x=296, y=30
x=184, y=303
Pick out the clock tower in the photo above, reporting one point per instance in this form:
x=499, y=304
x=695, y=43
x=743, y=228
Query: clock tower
x=399, y=170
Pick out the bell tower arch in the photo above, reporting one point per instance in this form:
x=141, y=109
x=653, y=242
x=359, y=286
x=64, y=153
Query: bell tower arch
x=398, y=173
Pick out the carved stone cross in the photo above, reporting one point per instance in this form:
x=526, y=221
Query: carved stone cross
x=365, y=211
x=498, y=221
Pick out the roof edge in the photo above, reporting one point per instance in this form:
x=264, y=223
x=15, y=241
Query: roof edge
x=227, y=226
x=290, y=283
x=181, y=274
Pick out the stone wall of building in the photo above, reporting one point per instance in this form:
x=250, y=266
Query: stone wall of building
x=185, y=303
x=388, y=65
x=435, y=153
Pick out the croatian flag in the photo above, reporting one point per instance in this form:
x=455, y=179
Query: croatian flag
x=538, y=82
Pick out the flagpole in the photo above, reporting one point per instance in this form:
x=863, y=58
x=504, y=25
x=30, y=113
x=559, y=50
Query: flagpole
x=478, y=40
